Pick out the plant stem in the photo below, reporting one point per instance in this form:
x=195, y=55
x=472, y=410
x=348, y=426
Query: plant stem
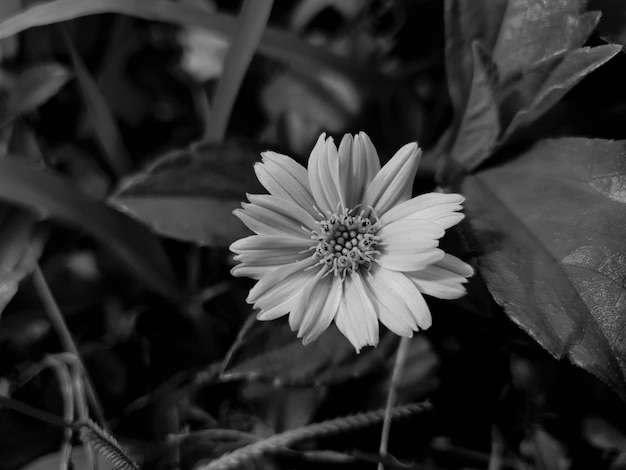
x=396, y=378
x=67, y=341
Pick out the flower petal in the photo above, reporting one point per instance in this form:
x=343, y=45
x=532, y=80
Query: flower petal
x=391, y=309
x=431, y=206
x=266, y=221
x=324, y=175
x=356, y=317
x=443, y=279
x=269, y=242
x=267, y=257
x=321, y=309
x=358, y=164
x=403, y=307
x=284, y=177
x=277, y=285
x=254, y=272
x=284, y=207
x=394, y=183
x=409, y=245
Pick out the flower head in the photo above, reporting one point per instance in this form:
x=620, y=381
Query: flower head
x=344, y=241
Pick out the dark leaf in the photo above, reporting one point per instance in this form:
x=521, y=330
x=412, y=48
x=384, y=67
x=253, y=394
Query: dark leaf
x=467, y=22
x=50, y=194
x=549, y=229
x=33, y=87
x=613, y=23
x=271, y=351
x=568, y=73
x=535, y=31
x=17, y=250
x=190, y=194
x=102, y=120
x=480, y=127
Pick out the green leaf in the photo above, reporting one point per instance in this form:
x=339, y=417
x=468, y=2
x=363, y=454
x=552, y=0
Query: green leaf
x=534, y=31
x=613, y=23
x=50, y=194
x=271, y=351
x=33, y=87
x=468, y=22
x=276, y=44
x=549, y=230
x=190, y=194
x=537, y=59
x=480, y=127
x=564, y=77
x=102, y=120
x=17, y=250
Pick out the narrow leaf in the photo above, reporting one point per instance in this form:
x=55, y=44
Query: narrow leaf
x=276, y=44
x=51, y=195
x=254, y=16
x=33, y=87
x=102, y=120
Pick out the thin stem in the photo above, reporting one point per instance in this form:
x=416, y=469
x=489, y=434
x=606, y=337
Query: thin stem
x=67, y=341
x=396, y=378
x=67, y=394
x=33, y=412
x=251, y=24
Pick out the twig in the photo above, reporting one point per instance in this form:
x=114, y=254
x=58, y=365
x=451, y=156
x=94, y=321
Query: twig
x=396, y=378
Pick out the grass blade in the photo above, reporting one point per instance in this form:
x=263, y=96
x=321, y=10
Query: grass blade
x=276, y=44
x=104, y=125
x=253, y=19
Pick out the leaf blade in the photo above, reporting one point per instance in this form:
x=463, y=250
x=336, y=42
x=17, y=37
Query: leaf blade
x=45, y=191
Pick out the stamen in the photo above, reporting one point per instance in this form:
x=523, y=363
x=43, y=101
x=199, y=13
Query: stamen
x=346, y=242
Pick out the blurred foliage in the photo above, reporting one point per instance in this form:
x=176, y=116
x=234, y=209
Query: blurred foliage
x=107, y=184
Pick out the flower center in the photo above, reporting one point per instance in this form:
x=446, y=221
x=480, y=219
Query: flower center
x=345, y=242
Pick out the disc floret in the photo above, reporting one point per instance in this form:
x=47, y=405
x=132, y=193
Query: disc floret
x=346, y=242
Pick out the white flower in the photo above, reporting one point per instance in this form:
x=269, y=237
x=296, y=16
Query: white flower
x=344, y=241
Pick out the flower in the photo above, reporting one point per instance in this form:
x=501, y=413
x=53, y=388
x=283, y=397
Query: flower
x=344, y=241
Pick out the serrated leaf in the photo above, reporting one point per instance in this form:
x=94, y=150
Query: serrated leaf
x=190, y=194
x=51, y=195
x=549, y=229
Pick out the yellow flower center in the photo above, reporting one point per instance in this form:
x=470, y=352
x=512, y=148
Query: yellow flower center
x=346, y=242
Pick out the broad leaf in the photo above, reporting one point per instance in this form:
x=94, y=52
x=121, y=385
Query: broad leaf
x=537, y=59
x=550, y=230
x=52, y=196
x=190, y=194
